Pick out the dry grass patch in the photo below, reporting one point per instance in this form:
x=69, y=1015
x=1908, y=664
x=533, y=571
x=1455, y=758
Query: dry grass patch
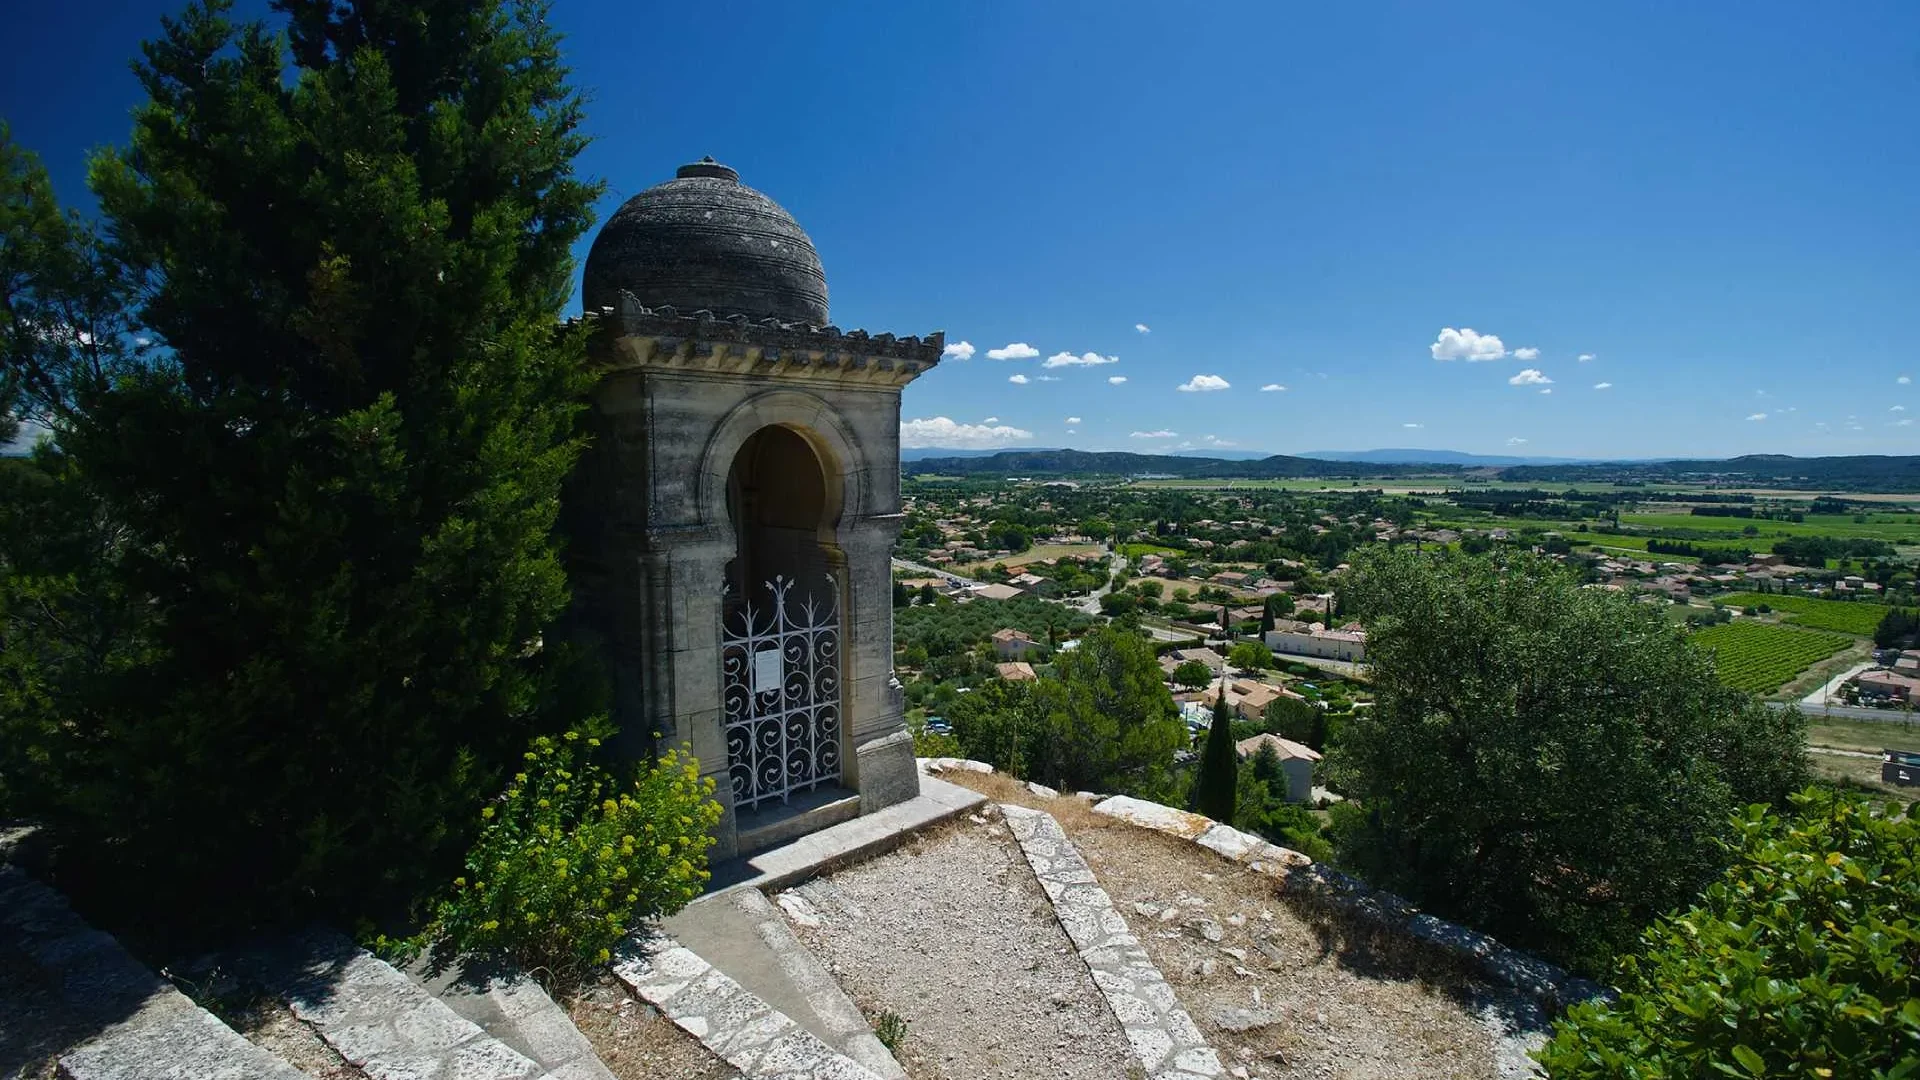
x=634, y=1041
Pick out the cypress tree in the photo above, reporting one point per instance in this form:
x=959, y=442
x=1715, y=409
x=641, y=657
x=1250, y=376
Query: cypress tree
x=339, y=475
x=1214, y=793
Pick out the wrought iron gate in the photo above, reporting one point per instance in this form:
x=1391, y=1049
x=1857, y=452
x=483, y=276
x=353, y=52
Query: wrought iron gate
x=780, y=688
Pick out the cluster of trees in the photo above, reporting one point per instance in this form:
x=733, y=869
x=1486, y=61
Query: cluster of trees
x=1106, y=722
x=282, y=594
x=1897, y=627
x=1707, y=553
x=1816, y=550
x=1553, y=764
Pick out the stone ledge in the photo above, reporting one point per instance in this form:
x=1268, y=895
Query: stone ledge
x=847, y=842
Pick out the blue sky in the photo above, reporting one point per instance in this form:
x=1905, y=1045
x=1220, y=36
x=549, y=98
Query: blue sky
x=1719, y=203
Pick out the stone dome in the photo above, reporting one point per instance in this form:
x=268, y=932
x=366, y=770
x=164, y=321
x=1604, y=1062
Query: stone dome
x=704, y=240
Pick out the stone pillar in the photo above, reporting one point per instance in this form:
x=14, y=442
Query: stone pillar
x=881, y=767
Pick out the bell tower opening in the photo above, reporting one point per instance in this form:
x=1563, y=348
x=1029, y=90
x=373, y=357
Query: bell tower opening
x=782, y=515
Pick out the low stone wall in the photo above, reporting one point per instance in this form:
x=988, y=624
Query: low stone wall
x=1299, y=875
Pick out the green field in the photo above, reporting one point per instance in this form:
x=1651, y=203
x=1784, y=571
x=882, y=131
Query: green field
x=1762, y=657
x=1893, y=528
x=1135, y=551
x=1843, y=616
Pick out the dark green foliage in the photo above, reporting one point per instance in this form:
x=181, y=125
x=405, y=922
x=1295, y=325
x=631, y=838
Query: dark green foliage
x=1816, y=550
x=334, y=483
x=1554, y=765
x=1213, y=789
x=1192, y=674
x=1301, y=721
x=1896, y=627
x=1802, y=960
x=1250, y=656
x=1107, y=723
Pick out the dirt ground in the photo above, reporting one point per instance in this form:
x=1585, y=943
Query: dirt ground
x=1283, y=991
x=634, y=1041
x=952, y=934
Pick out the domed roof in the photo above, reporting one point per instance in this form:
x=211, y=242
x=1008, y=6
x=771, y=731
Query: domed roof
x=704, y=240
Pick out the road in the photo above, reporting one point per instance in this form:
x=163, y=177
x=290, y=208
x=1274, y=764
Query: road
x=1851, y=712
x=933, y=572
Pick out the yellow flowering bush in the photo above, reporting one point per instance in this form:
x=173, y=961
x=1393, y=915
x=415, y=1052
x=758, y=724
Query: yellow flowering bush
x=569, y=860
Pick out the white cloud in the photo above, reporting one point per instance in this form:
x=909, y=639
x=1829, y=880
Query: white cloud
x=1585, y=356
x=1903, y=423
x=1548, y=390
x=1466, y=344
x=1215, y=440
x=1074, y=420
x=1603, y=386
x=1017, y=380
x=1048, y=378
x=991, y=420
x=1203, y=383
x=1898, y=408
x=1073, y=431
x=1271, y=387
x=1758, y=416
x=1516, y=441
x=1161, y=434
x=1903, y=380
x=1413, y=425
x=1067, y=359
x=1116, y=380
x=1529, y=377
x=941, y=431
x=1018, y=350
x=1143, y=328
x=1527, y=353
x=959, y=350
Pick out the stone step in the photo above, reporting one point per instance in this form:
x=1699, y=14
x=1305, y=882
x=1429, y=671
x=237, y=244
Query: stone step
x=380, y=1021
x=512, y=1007
x=137, y=1026
x=743, y=934
x=750, y=1035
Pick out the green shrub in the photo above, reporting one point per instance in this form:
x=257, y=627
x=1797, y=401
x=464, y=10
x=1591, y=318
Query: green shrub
x=567, y=863
x=1803, y=960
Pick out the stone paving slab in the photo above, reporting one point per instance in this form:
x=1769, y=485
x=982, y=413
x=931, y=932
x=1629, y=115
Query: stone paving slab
x=512, y=1008
x=834, y=846
x=382, y=1022
x=752, y=1036
x=743, y=934
x=147, y=1030
x=1163, y=1036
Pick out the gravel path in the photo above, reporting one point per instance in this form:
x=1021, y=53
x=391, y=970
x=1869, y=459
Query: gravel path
x=634, y=1041
x=953, y=934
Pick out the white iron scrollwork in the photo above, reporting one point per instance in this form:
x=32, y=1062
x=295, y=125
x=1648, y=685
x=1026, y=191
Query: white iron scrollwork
x=780, y=689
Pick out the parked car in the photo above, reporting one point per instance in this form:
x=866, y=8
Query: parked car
x=1901, y=767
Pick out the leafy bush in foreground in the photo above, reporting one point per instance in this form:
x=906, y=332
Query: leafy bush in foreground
x=568, y=862
x=1804, y=960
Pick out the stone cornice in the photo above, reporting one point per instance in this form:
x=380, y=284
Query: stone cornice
x=633, y=336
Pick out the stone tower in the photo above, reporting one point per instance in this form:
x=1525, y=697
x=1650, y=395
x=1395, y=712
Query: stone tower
x=734, y=521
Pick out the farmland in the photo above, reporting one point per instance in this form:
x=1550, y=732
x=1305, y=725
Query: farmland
x=1762, y=657
x=1838, y=615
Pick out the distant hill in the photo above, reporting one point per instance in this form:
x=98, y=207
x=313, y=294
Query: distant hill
x=1436, y=457
x=1086, y=463
x=1225, y=455
x=917, y=453
x=1864, y=472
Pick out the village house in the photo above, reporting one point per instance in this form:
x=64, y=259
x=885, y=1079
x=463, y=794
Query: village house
x=1011, y=644
x=1247, y=698
x=1296, y=762
x=995, y=592
x=1349, y=645
x=1015, y=671
x=1886, y=685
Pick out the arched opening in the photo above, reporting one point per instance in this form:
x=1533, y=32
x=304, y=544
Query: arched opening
x=780, y=642
x=779, y=500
